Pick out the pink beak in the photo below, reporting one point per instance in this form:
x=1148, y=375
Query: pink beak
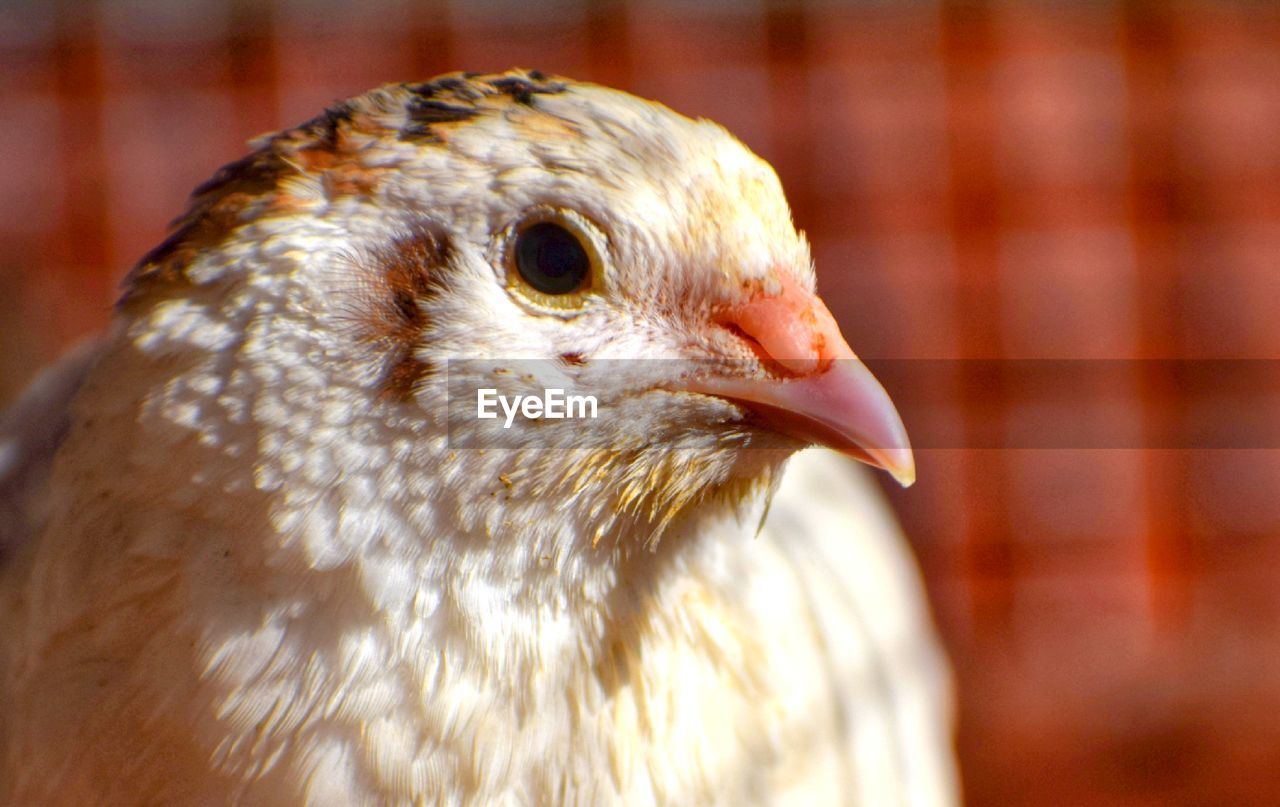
x=834, y=400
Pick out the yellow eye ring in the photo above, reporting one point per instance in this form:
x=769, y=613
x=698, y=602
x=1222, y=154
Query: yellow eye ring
x=552, y=259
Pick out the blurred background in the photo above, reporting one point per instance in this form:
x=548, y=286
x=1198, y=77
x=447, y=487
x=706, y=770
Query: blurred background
x=981, y=181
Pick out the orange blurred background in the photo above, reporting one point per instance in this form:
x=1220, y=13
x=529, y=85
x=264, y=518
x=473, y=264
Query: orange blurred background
x=980, y=180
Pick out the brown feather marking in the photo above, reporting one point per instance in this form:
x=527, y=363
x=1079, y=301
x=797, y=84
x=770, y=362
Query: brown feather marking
x=239, y=192
x=217, y=208
x=458, y=97
x=403, y=275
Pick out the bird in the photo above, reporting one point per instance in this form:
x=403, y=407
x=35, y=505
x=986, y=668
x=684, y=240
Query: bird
x=265, y=545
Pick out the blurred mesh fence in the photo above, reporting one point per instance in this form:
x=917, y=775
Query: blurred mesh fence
x=980, y=180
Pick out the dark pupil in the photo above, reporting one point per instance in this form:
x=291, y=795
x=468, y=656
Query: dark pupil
x=550, y=259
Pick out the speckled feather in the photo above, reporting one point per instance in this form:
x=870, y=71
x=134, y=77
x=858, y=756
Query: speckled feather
x=257, y=572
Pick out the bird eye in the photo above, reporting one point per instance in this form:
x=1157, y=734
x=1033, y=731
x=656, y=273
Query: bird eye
x=551, y=259
x=555, y=259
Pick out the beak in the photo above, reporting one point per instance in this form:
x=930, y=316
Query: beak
x=832, y=398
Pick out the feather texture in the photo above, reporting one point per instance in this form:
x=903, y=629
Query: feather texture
x=266, y=568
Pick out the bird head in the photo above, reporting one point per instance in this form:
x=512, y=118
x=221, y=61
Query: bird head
x=519, y=233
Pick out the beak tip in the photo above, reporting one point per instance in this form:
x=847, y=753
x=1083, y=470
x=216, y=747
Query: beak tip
x=900, y=463
x=905, y=476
